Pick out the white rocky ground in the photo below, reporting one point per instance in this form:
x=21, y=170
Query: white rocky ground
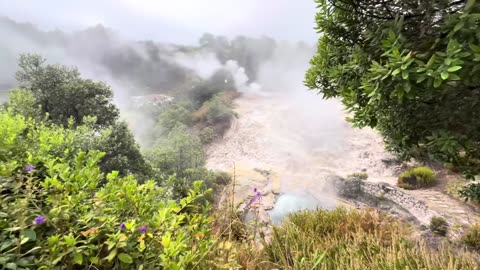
x=303, y=140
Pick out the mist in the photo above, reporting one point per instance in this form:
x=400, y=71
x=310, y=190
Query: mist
x=285, y=127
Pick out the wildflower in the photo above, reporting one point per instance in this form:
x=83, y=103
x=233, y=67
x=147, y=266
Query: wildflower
x=143, y=228
x=122, y=226
x=30, y=168
x=39, y=220
x=257, y=197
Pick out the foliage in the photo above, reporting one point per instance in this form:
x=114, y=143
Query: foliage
x=471, y=191
x=408, y=68
x=472, y=237
x=122, y=153
x=55, y=216
x=62, y=93
x=417, y=177
x=439, y=226
x=359, y=176
x=172, y=116
x=178, y=151
x=23, y=102
x=357, y=239
x=207, y=135
x=216, y=113
x=21, y=136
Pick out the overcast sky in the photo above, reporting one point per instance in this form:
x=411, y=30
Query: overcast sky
x=179, y=21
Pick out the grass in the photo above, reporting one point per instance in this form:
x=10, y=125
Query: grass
x=415, y=178
x=472, y=237
x=343, y=239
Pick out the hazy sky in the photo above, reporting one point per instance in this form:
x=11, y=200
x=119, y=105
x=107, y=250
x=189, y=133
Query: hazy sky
x=181, y=21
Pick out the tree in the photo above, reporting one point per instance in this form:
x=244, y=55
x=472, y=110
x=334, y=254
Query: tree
x=21, y=101
x=62, y=93
x=178, y=151
x=408, y=68
x=122, y=153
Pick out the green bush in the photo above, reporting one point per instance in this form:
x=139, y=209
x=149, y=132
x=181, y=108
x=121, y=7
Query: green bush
x=415, y=178
x=174, y=115
x=54, y=216
x=359, y=176
x=207, y=135
x=354, y=240
x=471, y=192
x=472, y=237
x=439, y=226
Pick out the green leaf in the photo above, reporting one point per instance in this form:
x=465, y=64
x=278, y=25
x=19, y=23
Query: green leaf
x=475, y=48
x=396, y=71
x=454, y=68
x=30, y=234
x=112, y=255
x=444, y=75
x=78, y=259
x=459, y=26
x=454, y=77
x=11, y=265
x=431, y=61
x=421, y=79
x=125, y=258
x=437, y=82
x=405, y=74
x=469, y=5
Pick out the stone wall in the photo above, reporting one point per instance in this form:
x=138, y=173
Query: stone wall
x=383, y=195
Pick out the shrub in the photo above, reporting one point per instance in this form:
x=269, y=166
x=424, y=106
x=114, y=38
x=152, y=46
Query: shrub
x=356, y=239
x=172, y=116
x=471, y=192
x=55, y=216
x=418, y=177
x=359, y=176
x=472, y=237
x=207, y=135
x=178, y=151
x=439, y=226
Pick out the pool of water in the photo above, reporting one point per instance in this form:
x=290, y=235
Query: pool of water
x=291, y=202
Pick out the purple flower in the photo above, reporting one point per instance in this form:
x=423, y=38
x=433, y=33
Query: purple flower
x=143, y=228
x=39, y=220
x=30, y=168
x=122, y=226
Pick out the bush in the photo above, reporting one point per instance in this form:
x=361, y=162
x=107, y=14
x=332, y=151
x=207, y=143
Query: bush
x=359, y=176
x=207, y=135
x=178, y=151
x=172, y=116
x=439, y=226
x=415, y=178
x=357, y=239
x=471, y=192
x=472, y=237
x=55, y=216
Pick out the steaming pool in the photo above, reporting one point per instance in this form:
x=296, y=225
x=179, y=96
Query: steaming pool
x=290, y=202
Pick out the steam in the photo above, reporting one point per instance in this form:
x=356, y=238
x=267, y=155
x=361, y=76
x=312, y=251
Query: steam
x=205, y=64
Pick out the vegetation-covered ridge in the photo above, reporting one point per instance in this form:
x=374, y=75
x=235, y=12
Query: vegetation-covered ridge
x=411, y=70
